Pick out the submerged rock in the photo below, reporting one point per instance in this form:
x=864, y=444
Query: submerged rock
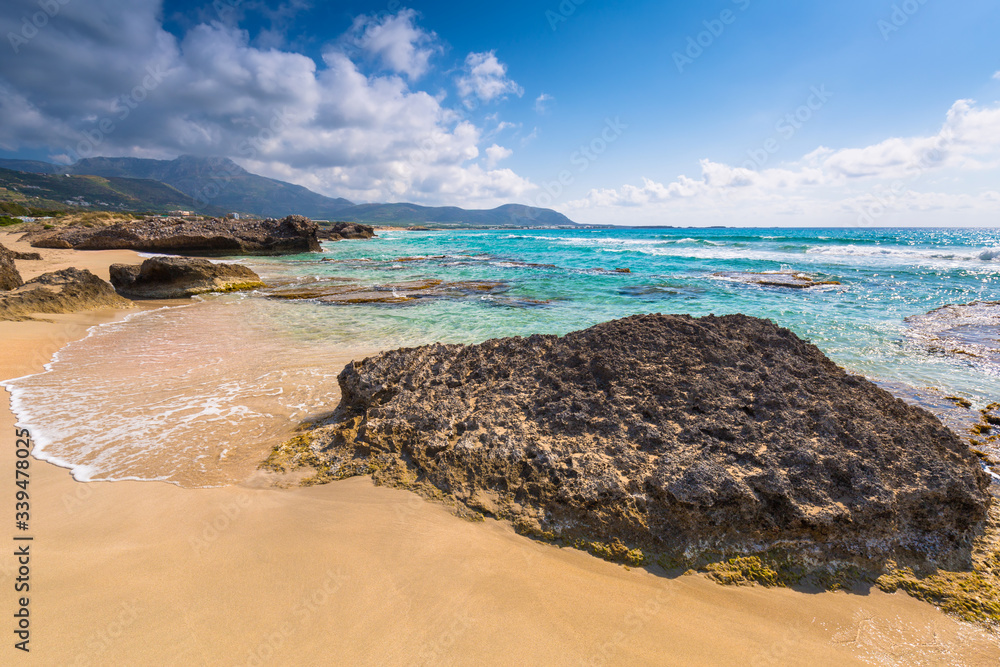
x=968, y=331
x=673, y=435
x=354, y=294
x=293, y=234
x=67, y=291
x=10, y=277
x=178, y=278
x=790, y=279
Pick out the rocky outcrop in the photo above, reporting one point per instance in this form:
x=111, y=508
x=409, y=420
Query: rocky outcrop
x=340, y=231
x=66, y=291
x=16, y=254
x=293, y=234
x=10, y=278
x=789, y=279
x=668, y=434
x=178, y=278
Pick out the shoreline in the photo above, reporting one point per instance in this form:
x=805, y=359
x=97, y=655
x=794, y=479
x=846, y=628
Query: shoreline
x=131, y=571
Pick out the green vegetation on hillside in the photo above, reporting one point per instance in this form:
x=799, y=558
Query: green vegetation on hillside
x=223, y=184
x=23, y=193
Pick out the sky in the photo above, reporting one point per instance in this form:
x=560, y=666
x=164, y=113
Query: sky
x=726, y=112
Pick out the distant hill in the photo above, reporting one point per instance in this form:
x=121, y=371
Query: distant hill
x=124, y=194
x=514, y=215
x=222, y=185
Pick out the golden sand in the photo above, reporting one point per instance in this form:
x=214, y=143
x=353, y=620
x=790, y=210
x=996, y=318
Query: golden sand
x=142, y=573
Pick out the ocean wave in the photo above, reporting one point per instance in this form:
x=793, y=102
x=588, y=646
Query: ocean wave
x=194, y=414
x=952, y=254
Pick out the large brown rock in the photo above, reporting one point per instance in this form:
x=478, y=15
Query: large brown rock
x=180, y=277
x=682, y=436
x=67, y=291
x=340, y=231
x=10, y=278
x=293, y=234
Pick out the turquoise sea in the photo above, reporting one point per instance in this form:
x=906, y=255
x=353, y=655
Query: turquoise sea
x=886, y=275
x=251, y=358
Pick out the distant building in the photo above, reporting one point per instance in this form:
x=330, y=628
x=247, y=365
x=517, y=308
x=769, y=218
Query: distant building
x=180, y=214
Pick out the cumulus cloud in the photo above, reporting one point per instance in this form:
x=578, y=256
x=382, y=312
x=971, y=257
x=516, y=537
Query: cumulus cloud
x=495, y=154
x=826, y=182
x=541, y=102
x=485, y=79
x=396, y=42
x=105, y=79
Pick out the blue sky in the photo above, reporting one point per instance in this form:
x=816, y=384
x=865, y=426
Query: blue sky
x=785, y=113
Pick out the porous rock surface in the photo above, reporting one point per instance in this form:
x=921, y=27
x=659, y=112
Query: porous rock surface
x=66, y=291
x=10, y=277
x=180, y=277
x=678, y=435
x=293, y=234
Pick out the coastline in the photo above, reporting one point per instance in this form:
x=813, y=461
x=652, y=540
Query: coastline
x=138, y=571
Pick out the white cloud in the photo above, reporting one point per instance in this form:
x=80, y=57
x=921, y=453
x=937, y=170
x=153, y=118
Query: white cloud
x=835, y=186
x=330, y=125
x=396, y=42
x=997, y=76
x=542, y=101
x=495, y=154
x=485, y=79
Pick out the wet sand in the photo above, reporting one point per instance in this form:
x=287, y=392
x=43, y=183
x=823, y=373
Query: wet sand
x=347, y=573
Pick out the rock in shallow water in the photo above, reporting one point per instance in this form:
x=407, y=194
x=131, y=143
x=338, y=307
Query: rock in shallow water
x=677, y=435
x=789, y=279
x=970, y=331
x=340, y=231
x=179, y=277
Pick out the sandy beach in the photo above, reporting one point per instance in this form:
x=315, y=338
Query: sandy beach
x=347, y=573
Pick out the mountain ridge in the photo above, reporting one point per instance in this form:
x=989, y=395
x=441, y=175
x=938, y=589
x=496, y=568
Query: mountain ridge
x=221, y=184
x=62, y=191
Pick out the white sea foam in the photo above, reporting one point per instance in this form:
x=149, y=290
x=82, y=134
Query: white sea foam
x=193, y=395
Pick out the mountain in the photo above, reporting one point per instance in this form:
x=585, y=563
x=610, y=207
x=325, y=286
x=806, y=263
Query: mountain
x=220, y=182
x=514, y=215
x=124, y=194
x=222, y=185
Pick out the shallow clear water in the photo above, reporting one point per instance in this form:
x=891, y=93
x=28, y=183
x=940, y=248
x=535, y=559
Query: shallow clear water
x=215, y=383
x=886, y=276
